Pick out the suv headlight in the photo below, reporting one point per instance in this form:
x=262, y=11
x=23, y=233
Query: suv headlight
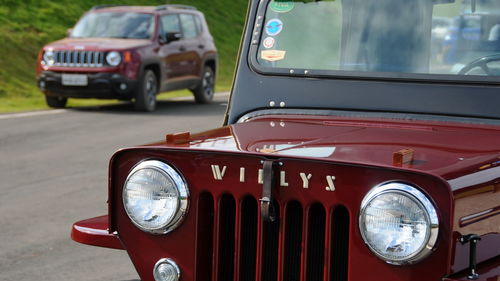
x=49, y=58
x=113, y=58
x=398, y=223
x=155, y=197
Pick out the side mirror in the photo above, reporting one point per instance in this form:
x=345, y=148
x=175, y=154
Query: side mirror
x=68, y=32
x=173, y=36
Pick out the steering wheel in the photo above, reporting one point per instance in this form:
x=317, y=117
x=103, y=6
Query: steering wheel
x=481, y=63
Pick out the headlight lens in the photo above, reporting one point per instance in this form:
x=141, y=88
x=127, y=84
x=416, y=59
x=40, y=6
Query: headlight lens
x=398, y=223
x=113, y=58
x=155, y=197
x=49, y=58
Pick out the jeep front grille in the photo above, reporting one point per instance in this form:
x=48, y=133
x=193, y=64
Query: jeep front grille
x=308, y=242
x=79, y=59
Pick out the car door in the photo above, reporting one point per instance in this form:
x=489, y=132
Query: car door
x=192, y=43
x=172, y=53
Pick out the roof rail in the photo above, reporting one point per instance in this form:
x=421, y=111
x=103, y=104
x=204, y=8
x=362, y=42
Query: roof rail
x=106, y=6
x=175, y=6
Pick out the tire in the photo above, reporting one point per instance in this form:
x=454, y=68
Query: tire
x=145, y=96
x=56, y=102
x=204, y=92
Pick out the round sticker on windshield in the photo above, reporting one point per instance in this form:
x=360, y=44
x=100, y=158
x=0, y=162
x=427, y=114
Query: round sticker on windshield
x=268, y=42
x=274, y=27
x=281, y=6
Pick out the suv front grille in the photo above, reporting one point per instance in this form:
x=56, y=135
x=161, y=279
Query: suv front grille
x=79, y=59
x=308, y=242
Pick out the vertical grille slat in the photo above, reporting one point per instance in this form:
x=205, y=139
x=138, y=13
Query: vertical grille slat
x=204, y=237
x=339, y=249
x=80, y=58
x=293, y=242
x=67, y=56
x=270, y=247
x=88, y=59
x=248, y=239
x=315, y=243
x=64, y=60
x=226, y=236
x=100, y=57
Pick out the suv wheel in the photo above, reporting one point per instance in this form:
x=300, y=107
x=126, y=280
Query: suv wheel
x=56, y=102
x=145, y=97
x=204, y=92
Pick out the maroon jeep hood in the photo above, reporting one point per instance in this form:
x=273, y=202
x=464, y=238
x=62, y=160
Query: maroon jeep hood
x=97, y=44
x=451, y=151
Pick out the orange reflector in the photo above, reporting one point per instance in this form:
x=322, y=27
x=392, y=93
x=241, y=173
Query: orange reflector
x=127, y=57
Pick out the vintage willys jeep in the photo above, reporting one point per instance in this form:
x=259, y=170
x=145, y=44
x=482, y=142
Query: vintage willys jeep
x=348, y=153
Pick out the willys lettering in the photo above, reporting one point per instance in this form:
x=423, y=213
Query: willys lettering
x=306, y=178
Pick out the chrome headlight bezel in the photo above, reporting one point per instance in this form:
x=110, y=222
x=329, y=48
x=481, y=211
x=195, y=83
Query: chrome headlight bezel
x=422, y=201
x=113, y=58
x=49, y=58
x=181, y=189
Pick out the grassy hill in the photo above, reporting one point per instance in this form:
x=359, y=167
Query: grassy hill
x=25, y=26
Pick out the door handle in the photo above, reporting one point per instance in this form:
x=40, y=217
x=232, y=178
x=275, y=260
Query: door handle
x=182, y=48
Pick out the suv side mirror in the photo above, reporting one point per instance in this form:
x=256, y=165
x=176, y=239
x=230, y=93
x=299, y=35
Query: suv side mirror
x=173, y=36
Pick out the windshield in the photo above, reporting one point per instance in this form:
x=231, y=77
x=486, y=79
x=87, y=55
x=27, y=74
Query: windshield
x=381, y=37
x=115, y=25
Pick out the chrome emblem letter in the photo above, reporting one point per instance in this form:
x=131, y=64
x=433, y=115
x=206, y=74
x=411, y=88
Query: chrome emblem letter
x=242, y=174
x=283, y=179
x=331, y=185
x=218, y=174
x=305, y=179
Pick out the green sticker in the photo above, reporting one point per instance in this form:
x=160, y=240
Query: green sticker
x=281, y=6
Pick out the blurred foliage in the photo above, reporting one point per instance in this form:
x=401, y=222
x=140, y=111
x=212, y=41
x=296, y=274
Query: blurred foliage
x=25, y=26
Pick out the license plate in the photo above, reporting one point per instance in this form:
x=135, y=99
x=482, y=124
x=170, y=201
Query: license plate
x=74, y=80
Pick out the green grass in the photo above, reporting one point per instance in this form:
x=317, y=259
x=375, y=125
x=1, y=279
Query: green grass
x=25, y=26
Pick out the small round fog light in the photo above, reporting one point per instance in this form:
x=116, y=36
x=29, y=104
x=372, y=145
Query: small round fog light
x=166, y=270
x=123, y=86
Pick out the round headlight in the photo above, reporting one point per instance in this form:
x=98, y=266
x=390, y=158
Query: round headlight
x=113, y=58
x=398, y=223
x=49, y=58
x=155, y=197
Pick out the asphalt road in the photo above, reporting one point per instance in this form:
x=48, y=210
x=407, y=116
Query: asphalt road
x=53, y=172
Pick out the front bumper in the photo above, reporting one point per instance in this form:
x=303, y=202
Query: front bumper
x=95, y=232
x=100, y=86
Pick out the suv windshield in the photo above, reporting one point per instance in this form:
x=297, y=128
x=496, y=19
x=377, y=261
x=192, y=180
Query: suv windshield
x=382, y=38
x=115, y=25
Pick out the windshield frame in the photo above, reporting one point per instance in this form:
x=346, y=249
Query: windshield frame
x=151, y=36
x=345, y=74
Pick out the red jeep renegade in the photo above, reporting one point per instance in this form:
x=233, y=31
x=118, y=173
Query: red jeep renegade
x=130, y=53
